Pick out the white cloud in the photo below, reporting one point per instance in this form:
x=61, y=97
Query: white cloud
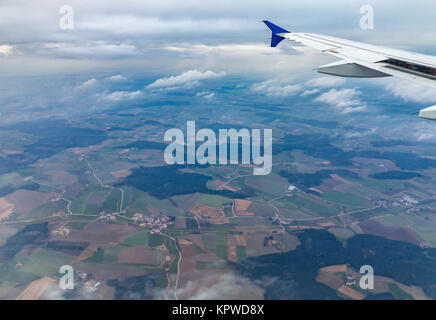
x=408, y=128
x=325, y=82
x=117, y=77
x=131, y=24
x=309, y=92
x=206, y=95
x=186, y=80
x=54, y=292
x=93, y=49
x=255, y=58
x=412, y=92
x=90, y=82
x=6, y=49
x=344, y=100
x=422, y=131
x=217, y=286
x=234, y=48
x=123, y=95
x=275, y=88
x=87, y=84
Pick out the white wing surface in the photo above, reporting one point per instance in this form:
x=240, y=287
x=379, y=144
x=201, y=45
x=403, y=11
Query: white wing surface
x=361, y=60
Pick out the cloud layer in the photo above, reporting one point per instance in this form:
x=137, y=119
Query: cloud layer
x=187, y=80
x=411, y=92
x=344, y=100
x=276, y=88
x=222, y=34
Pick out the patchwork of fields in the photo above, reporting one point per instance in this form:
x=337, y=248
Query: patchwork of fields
x=133, y=227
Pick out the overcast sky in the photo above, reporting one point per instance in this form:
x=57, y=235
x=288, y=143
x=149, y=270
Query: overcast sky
x=171, y=36
x=126, y=51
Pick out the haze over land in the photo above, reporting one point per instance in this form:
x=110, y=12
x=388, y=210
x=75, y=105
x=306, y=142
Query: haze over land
x=83, y=179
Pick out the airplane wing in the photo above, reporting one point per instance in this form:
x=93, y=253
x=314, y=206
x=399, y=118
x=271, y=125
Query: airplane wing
x=361, y=60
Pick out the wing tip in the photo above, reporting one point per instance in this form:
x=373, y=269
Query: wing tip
x=275, y=29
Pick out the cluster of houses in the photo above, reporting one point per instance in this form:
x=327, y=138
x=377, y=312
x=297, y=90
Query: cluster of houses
x=405, y=200
x=271, y=242
x=280, y=220
x=157, y=224
x=89, y=284
x=109, y=216
x=413, y=206
x=350, y=280
x=291, y=189
x=62, y=231
x=408, y=200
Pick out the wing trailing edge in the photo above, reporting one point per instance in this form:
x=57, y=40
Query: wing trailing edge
x=361, y=60
x=428, y=113
x=350, y=69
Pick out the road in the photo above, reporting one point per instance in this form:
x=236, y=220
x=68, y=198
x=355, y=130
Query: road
x=176, y=285
x=103, y=185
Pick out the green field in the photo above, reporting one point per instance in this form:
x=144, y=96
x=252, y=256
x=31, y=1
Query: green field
x=221, y=245
x=97, y=257
x=394, y=220
x=240, y=253
x=171, y=246
x=272, y=184
x=108, y=255
x=209, y=241
x=347, y=199
x=210, y=265
x=112, y=202
x=382, y=185
x=136, y=201
x=213, y=200
x=11, y=274
x=46, y=210
x=173, y=266
x=398, y=293
x=83, y=205
x=144, y=238
x=77, y=225
x=312, y=206
x=43, y=262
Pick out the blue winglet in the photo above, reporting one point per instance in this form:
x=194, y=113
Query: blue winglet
x=274, y=28
x=275, y=39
